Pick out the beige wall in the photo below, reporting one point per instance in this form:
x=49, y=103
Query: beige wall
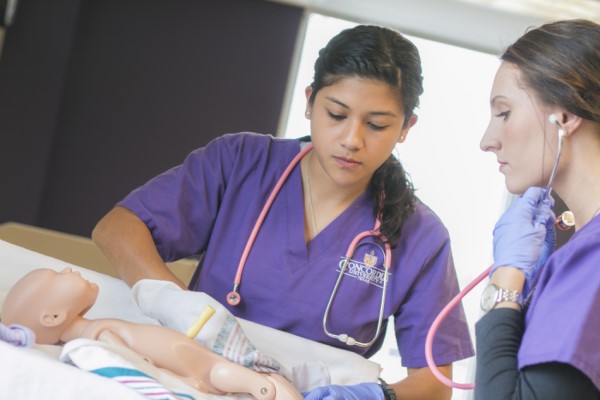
x=77, y=250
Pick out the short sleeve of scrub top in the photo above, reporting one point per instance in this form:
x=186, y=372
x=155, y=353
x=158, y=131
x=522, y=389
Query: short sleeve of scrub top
x=428, y=283
x=181, y=205
x=563, y=320
x=209, y=205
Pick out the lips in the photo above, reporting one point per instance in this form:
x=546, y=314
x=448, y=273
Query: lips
x=346, y=162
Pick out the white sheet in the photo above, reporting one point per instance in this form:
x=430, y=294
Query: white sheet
x=127, y=367
x=37, y=372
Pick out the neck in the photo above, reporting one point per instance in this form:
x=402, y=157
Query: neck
x=326, y=190
x=324, y=200
x=579, y=182
x=75, y=330
x=312, y=219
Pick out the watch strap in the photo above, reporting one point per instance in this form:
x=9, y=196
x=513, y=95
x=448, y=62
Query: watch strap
x=388, y=392
x=514, y=296
x=500, y=295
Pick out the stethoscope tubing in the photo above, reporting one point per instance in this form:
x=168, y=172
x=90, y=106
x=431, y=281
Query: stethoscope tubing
x=456, y=300
x=561, y=135
x=233, y=297
x=345, y=338
x=434, y=327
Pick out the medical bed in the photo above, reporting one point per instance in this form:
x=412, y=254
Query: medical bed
x=40, y=372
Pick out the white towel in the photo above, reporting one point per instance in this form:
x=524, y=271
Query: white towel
x=178, y=309
x=306, y=363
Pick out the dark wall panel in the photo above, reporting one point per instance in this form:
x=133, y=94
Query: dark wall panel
x=146, y=82
x=32, y=71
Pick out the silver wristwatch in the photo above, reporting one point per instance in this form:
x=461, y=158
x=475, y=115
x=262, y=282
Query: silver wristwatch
x=493, y=295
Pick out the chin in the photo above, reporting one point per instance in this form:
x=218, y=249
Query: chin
x=517, y=190
x=93, y=292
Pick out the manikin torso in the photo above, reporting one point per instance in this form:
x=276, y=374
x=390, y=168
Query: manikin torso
x=52, y=304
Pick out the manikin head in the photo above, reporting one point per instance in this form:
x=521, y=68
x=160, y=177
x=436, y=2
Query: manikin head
x=47, y=302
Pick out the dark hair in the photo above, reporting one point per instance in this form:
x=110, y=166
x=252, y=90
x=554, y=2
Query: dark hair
x=374, y=52
x=560, y=62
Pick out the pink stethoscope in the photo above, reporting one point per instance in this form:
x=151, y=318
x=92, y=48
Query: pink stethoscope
x=564, y=222
x=234, y=298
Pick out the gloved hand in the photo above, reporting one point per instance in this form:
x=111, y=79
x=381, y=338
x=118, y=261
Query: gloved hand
x=362, y=391
x=547, y=250
x=524, y=236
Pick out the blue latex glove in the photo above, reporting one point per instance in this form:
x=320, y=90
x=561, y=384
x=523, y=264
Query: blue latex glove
x=362, y=391
x=547, y=250
x=524, y=237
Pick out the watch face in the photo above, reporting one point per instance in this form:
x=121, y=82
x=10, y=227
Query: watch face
x=488, y=298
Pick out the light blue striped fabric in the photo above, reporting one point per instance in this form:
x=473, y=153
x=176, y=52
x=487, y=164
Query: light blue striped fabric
x=140, y=382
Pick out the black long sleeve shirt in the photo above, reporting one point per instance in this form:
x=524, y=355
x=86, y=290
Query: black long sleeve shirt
x=498, y=337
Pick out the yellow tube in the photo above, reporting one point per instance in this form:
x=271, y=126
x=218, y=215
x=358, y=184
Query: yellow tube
x=193, y=330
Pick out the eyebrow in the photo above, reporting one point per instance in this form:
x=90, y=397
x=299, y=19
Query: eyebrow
x=495, y=99
x=336, y=101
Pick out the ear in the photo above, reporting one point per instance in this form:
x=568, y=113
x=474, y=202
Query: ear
x=409, y=124
x=308, y=92
x=52, y=319
x=569, y=122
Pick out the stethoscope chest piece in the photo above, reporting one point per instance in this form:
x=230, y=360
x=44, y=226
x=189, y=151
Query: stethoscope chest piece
x=233, y=298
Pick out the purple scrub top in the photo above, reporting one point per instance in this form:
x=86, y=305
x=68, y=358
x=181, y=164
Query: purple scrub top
x=209, y=205
x=563, y=320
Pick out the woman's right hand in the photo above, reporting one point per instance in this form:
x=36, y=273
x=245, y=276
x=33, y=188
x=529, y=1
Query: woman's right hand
x=127, y=243
x=524, y=237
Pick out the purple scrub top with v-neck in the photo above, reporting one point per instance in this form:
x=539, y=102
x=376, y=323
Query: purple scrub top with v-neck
x=209, y=205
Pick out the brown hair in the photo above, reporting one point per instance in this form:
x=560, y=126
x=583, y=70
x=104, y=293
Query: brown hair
x=375, y=52
x=560, y=62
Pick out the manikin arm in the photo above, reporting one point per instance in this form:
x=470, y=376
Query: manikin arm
x=112, y=338
x=191, y=362
x=233, y=378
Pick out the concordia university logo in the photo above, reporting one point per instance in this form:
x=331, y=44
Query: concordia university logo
x=370, y=259
x=367, y=271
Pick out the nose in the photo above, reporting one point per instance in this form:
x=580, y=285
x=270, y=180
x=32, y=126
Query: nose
x=489, y=141
x=353, y=136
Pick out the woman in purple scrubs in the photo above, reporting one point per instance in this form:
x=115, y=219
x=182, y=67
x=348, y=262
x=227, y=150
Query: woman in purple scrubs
x=540, y=338
x=361, y=103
